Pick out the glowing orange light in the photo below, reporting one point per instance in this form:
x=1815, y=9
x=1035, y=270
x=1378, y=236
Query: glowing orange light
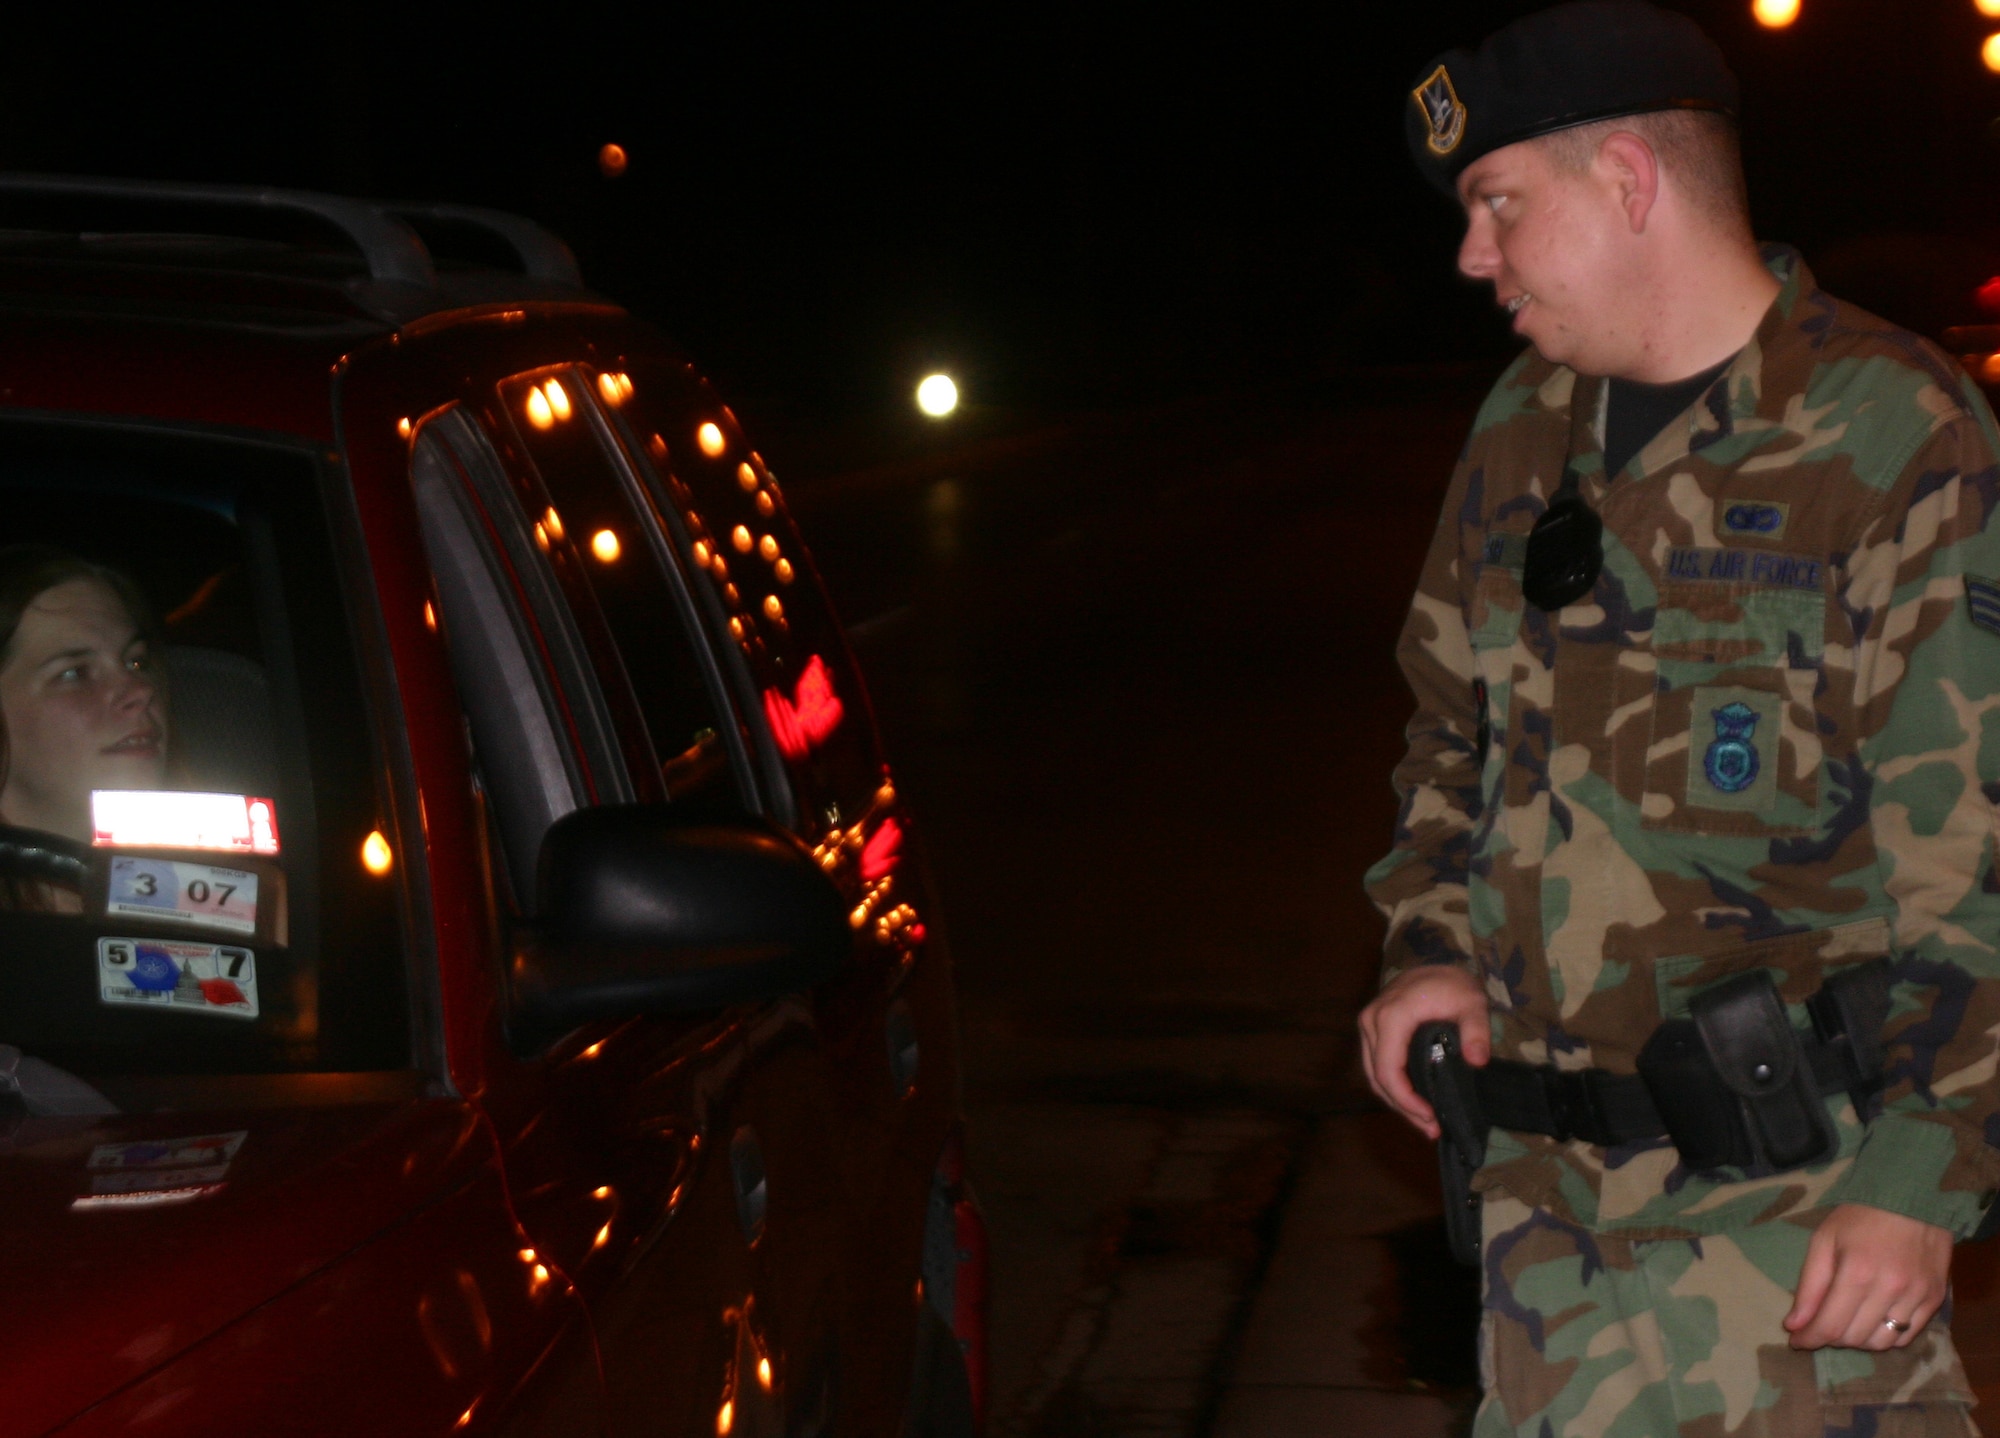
x=604, y=1192
x=541, y=1275
x=657, y=447
x=558, y=398
x=603, y=1237
x=784, y=571
x=702, y=553
x=764, y=1374
x=403, y=428
x=765, y=504
x=746, y=477
x=607, y=385
x=593, y=1051
x=736, y=631
x=1775, y=14
x=554, y=523
x=539, y=413
x=611, y=161
x=725, y=1416
x=768, y=547
x=526, y=1255
x=729, y=593
x=430, y=617
x=464, y=1418
x=1989, y=8
x=604, y=544
x=1989, y=369
x=719, y=567
x=709, y=437
x=1990, y=52
x=772, y=608
x=740, y=537
x=542, y=537
x=375, y=855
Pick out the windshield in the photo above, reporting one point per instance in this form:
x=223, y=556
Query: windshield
x=193, y=880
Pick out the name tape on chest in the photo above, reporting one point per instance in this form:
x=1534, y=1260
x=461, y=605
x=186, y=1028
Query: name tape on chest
x=1698, y=565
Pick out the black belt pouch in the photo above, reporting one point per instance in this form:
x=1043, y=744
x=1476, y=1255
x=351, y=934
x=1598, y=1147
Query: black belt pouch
x=1733, y=1084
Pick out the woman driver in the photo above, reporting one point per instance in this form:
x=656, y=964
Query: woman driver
x=81, y=705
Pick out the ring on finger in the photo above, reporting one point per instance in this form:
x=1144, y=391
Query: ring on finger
x=1895, y=1325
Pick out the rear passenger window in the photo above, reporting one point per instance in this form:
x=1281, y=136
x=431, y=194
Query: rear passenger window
x=729, y=513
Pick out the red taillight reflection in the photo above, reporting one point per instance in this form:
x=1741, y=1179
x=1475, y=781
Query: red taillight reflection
x=805, y=721
x=883, y=851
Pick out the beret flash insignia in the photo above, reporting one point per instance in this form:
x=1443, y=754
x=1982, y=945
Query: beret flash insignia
x=1439, y=102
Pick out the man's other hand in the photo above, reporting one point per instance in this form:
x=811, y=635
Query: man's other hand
x=1865, y=1266
x=1412, y=999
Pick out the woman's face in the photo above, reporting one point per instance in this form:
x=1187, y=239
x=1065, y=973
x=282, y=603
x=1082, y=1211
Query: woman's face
x=83, y=708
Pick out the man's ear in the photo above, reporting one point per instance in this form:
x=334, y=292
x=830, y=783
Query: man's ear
x=1627, y=163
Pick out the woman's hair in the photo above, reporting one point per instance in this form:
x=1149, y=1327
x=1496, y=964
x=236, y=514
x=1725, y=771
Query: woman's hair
x=30, y=570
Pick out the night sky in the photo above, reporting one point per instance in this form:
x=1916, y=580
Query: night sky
x=1103, y=205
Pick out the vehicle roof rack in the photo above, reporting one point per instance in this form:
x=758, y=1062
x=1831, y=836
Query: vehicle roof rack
x=397, y=259
x=542, y=255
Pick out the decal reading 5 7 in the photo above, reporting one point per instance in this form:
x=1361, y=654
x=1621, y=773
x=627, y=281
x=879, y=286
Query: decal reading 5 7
x=184, y=893
x=186, y=978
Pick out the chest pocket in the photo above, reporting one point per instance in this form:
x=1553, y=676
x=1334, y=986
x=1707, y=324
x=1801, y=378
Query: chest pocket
x=1735, y=745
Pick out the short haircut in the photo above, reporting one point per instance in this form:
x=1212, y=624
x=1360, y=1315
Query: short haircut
x=1700, y=150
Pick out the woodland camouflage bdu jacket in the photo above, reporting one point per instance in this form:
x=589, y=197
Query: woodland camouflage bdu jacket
x=1771, y=736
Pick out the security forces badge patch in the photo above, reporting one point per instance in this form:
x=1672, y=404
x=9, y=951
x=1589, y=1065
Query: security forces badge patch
x=1442, y=111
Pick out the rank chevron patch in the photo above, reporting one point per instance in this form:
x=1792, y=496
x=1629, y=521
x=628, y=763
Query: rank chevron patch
x=1982, y=603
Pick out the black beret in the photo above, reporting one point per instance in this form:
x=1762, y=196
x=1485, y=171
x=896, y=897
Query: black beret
x=1567, y=65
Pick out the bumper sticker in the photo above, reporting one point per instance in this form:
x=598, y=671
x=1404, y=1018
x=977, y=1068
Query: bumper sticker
x=150, y=1172
x=178, y=893
x=193, y=978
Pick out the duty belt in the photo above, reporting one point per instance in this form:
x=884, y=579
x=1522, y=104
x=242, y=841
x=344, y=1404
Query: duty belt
x=1733, y=1085
x=1611, y=1109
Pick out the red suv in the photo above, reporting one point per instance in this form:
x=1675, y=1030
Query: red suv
x=463, y=965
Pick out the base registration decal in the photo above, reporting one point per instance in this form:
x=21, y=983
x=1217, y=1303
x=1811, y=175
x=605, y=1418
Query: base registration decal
x=203, y=894
x=187, y=978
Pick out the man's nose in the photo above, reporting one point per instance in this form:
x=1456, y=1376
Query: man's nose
x=1478, y=256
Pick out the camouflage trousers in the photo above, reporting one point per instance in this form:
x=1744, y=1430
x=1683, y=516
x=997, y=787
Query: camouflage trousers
x=1586, y=1334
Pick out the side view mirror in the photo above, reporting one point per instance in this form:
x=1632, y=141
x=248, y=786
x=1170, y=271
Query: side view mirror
x=644, y=909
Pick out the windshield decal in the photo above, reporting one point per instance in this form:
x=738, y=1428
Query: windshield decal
x=182, y=978
x=177, y=819
x=176, y=893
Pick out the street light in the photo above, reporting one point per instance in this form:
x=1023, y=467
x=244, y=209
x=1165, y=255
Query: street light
x=1775, y=14
x=1989, y=8
x=937, y=396
x=1990, y=53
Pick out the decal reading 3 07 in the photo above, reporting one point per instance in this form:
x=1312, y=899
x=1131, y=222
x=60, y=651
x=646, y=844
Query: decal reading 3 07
x=180, y=893
x=185, y=978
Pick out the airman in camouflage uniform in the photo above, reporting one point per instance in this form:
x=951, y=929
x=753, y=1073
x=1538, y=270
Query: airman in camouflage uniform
x=1768, y=737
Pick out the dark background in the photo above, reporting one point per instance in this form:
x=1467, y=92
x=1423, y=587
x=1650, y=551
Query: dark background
x=1109, y=204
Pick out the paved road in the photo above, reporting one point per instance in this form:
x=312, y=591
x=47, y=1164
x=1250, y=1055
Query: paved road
x=1136, y=671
